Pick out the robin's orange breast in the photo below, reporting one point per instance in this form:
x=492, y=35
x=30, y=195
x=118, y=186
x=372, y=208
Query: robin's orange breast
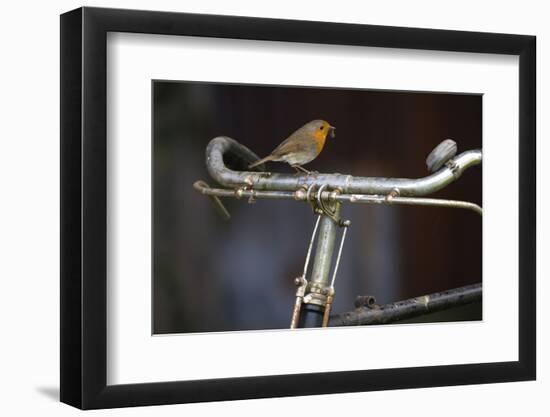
x=320, y=137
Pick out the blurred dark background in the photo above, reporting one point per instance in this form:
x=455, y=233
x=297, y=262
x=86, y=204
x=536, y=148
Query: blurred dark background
x=211, y=275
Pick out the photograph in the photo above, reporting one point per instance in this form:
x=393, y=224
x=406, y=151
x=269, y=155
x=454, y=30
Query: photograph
x=277, y=207
x=269, y=205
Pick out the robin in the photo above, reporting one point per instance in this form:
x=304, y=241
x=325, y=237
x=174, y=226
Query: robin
x=303, y=146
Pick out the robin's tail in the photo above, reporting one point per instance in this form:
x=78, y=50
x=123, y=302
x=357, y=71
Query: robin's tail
x=261, y=161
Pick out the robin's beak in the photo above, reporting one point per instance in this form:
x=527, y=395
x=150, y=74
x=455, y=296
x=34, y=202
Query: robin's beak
x=332, y=131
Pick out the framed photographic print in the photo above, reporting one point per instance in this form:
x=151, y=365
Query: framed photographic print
x=259, y=207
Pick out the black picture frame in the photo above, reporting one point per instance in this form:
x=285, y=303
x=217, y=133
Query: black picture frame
x=84, y=197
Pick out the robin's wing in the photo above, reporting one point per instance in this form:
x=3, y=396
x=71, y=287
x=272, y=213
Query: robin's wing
x=293, y=145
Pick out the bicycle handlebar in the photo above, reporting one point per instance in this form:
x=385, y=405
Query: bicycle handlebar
x=222, y=150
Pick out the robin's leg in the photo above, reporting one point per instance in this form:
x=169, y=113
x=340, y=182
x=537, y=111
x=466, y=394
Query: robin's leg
x=299, y=168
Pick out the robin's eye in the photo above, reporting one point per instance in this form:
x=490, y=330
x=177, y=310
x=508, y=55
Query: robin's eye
x=322, y=127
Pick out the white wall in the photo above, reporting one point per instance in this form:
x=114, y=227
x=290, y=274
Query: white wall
x=29, y=175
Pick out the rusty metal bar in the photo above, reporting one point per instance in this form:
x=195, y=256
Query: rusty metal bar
x=218, y=205
x=328, y=307
x=411, y=201
x=413, y=307
x=300, y=195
